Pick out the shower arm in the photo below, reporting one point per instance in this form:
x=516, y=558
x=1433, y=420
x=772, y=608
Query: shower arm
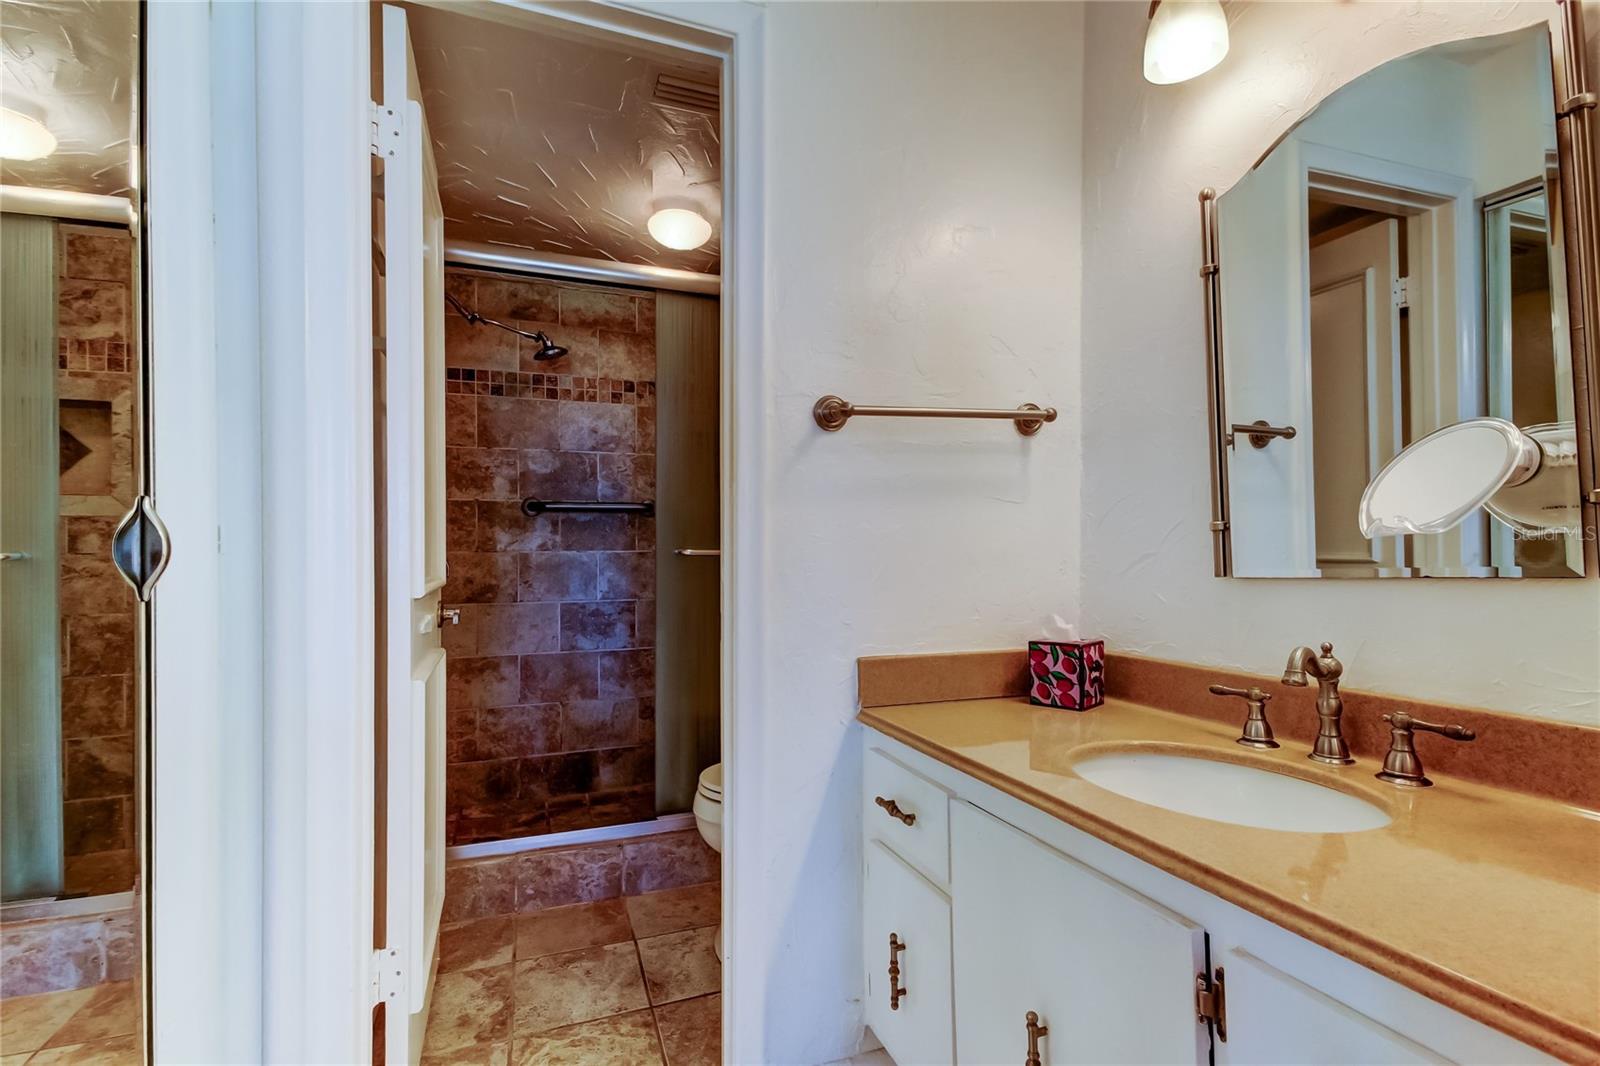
x=474, y=318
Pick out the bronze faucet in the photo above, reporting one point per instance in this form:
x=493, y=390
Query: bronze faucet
x=1257, y=731
x=1403, y=766
x=1330, y=746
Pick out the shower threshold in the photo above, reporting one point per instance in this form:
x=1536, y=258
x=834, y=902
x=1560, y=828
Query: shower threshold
x=665, y=823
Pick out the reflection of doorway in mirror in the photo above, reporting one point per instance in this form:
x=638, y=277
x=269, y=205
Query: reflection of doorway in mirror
x=1528, y=364
x=1356, y=353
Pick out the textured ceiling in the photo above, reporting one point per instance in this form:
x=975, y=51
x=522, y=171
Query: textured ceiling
x=71, y=64
x=556, y=145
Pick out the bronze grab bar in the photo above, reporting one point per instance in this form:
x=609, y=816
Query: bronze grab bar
x=832, y=413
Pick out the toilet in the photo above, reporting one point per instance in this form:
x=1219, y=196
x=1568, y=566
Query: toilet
x=708, y=817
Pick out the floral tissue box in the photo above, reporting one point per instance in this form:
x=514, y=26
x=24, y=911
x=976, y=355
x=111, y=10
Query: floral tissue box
x=1067, y=673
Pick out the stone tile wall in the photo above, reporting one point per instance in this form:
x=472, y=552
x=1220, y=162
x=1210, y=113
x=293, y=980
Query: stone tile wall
x=95, y=387
x=558, y=877
x=551, y=700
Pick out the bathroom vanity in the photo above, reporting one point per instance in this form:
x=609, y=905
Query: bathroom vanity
x=1015, y=912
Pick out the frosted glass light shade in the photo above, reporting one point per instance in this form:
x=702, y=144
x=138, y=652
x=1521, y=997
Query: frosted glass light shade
x=1185, y=39
x=23, y=136
x=680, y=228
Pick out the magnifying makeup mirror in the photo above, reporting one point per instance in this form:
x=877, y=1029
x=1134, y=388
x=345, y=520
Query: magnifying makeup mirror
x=1527, y=478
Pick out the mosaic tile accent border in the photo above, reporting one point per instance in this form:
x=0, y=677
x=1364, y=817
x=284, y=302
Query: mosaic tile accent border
x=95, y=354
x=469, y=380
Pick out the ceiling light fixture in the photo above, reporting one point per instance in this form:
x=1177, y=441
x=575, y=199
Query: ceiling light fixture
x=680, y=228
x=23, y=136
x=1185, y=39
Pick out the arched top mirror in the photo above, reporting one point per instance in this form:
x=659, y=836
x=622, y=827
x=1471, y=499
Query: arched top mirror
x=1398, y=380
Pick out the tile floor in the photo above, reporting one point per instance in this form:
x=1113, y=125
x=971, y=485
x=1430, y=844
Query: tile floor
x=85, y=1027
x=632, y=981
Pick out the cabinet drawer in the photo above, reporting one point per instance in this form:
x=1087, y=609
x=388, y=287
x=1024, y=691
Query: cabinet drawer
x=918, y=1025
x=925, y=842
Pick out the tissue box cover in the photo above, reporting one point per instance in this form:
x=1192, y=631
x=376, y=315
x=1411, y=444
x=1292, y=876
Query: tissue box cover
x=1067, y=673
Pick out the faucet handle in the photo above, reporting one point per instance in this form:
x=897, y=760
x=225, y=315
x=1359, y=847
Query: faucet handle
x=1257, y=731
x=1402, y=765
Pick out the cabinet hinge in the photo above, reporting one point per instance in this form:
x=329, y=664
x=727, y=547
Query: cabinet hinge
x=388, y=975
x=1211, y=1002
x=1400, y=293
x=386, y=128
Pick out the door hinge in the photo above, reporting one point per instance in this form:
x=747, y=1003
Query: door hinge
x=1211, y=1002
x=388, y=975
x=1400, y=293
x=386, y=129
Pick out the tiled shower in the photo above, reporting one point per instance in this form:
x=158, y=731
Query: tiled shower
x=551, y=702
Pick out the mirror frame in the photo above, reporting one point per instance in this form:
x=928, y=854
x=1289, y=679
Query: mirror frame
x=1576, y=122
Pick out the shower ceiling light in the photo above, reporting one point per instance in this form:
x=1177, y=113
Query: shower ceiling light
x=680, y=228
x=1185, y=39
x=24, y=136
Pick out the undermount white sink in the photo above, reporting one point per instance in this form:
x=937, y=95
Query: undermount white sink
x=1230, y=792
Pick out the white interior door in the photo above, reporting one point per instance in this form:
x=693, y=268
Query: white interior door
x=1355, y=387
x=412, y=289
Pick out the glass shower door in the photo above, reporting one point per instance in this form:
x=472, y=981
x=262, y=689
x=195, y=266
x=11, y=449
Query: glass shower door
x=31, y=858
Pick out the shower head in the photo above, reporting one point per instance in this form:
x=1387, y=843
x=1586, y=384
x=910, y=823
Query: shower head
x=547, y=350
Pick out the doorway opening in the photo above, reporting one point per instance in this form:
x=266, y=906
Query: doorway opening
x=547, y=276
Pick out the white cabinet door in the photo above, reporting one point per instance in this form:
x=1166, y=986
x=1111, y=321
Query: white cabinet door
x=897, y=901
x=1109, y=972
x=1274, y=1018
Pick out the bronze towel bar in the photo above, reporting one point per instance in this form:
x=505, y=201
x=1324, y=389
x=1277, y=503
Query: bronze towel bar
x=832, y=413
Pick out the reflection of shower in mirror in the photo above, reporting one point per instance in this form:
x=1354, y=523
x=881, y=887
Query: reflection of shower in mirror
x=1527, y=478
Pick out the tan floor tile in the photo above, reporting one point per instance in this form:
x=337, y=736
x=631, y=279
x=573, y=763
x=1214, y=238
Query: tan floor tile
x=675, y=909
x=112, y=1011
x=27, y=1022
x=470, y=1007
x=691, y=1031
x=621, y=1040
x=477, y=1055
x=476, y=945
x=121, y=1051
x=681, y=965
x=583, y=925
x=577, y=986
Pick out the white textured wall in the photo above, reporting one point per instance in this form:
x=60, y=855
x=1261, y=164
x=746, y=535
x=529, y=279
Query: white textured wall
x=1531, y=647
x=923, y=205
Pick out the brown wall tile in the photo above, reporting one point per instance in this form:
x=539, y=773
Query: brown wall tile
x=481, y=474
x=551, y=475
x=596, y=427
x=598, y=532
x=598, y=308
x=101, y=644
x=505, y=422
x=595, y=626
x=627, y=673
x=515, y=732
x=99, y=766
x=626, y=575
x=518, y=628
x=95, y=706
x=555, y=575
x=604, y=723
x=480, y=347
x=517, y=298
x=670, y=860
x=560, y=678
x=483, y=682
x=502, y=527
x=461, y=421
x=480, y=577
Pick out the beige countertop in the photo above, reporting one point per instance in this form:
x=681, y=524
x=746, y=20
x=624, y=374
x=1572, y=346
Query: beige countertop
x=1485, y=900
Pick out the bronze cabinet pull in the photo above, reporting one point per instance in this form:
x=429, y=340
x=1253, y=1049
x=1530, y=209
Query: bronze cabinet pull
x=1035, y=1031
x=894, y=810
x=1403, y=766
x=897, y=991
